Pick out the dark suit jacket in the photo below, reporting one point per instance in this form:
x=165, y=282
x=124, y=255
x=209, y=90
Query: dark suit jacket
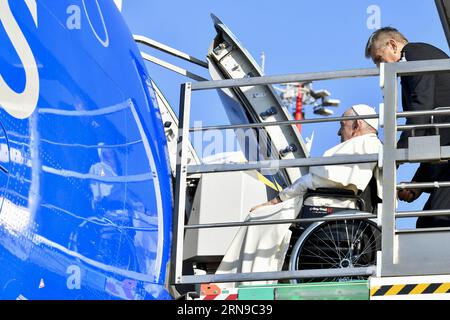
x=428, y=92
x=425, y=91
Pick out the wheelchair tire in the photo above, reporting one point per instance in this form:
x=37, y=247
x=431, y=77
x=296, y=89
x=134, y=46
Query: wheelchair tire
x=336, y=244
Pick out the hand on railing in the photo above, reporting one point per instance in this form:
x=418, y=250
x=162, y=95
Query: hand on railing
x=409, y=195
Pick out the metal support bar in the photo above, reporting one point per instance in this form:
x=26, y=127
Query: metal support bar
x=304, y=77
x=422, y=213
x=285, y=221
x=280, y=275
x=424, y=66
x=172, y=67
x=423, y=185
x=279, y=164
x=164, y=48
x=283, y=123
x=418, y=231
x=423, y=126
x=412, y=114
x=180, y=184
x=389, y=204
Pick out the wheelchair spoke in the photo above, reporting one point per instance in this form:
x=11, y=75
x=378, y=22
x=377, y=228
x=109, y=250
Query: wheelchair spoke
x=360, y=234
x=315, y=255
x=313, y=245
x=316, y=246
x=350, y=246
x=358, y=237
x=372, y=239
x=346, y=231
x=338, y=229
x=334, y=241
x=337, y=236
x=372, y=245
x=315, y=263
x=353, y=228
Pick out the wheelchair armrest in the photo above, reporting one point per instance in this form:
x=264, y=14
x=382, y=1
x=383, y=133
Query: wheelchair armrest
x=336, y=193
x=331, y=192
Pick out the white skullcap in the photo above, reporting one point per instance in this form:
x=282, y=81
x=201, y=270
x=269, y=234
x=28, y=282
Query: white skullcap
x=365, y=110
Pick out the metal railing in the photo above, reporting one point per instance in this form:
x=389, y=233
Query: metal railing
x=183, y=170
x=417, y=251
x=173, y=52
x=388, y=160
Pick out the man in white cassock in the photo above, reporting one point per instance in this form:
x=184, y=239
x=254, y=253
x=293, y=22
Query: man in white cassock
x=263, y=248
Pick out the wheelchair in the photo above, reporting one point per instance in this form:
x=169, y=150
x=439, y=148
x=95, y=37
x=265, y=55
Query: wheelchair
x=335, y=244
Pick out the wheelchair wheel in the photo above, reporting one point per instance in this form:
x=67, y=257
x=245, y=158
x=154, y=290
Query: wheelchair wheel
x=336, y=244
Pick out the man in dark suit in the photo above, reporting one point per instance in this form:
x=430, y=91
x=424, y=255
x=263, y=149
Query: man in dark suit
x=419, y=92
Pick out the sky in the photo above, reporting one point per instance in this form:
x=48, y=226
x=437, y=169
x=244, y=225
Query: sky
x=296, y=36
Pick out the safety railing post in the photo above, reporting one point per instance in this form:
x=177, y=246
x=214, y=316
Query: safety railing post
x=390, y=92
x=180, y=184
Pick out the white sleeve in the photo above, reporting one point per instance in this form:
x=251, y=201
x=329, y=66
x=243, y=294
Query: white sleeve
x=302, y=184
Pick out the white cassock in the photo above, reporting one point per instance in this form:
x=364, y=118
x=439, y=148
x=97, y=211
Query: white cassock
x=263, y=248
